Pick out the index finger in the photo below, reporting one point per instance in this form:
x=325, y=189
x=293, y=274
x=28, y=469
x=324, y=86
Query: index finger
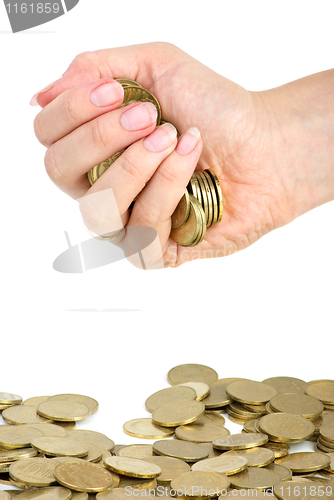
x=144, y=63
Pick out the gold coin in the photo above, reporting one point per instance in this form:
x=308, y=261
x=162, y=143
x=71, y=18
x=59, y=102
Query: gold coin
x=59, y=447
x=204, y=195
x=326, y=433
x=330, y=467
x=135, y=93
x=142, y=451
x=224, y=464
x=301, y=404
x=217, y=397
x=191, y=373
x=126, y=82
x=305, y=461
x=210, y=449
x=137, y=483
x=17, y=436
x=170, y=468
x=169, y=395
x=255, y=408
x=219, y=193
x=199, y=433
x=50, y=429
x=62, y=410
x=202, y=390
x=256, y=478
x=256, y=457
x=286, y=427
x=145, y=428
x=286, y=384
x=199, y=484
x=49, y=493
x=178, y=413
x=201, y=228
x=284, y=472
x=23, y=414
x=182, y=211
x=192, y=229
x=132, y=467
x=251, y=392
x=96, y=172
x=83, y=476
x=323, y=390
x=33, y=471
x=213, y=195
x=239, y=409
x=94, y=453
x=279, y=449
x=240, y=441
x=16, y=454
x=79, y=495
x=35, y=401
x=209, y=417
x=9, y=399
x=187, y=451
x=92, y=404
x=249, y=425
x=68, y=426
x=93, y=437
x=295, y=488
x=4, y=407
x=194, y=189
x=238, y=416
x=207, y=187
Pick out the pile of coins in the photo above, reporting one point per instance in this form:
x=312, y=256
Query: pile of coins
x=202, y=204
x=44, y=456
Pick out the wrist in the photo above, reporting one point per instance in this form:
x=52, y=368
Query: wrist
x=303, y=114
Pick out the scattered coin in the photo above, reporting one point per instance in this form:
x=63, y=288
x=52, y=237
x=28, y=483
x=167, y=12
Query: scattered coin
x=191, y=373
x=85, y=476
x=286, y=427
x=169, y=395
x=132, y=467
x=284, y=472
x=50, y=429
x=35, y=401
x=224, y=464
x=33, y=471
x=305, y=461
x=178, y=413
x=240, y=441
x=251, y=392
x=170, y=468
x=93, y=437
x=202, y=390
x=92, y=404
x=301, y=404
x=256, y=457
x=49, y=493
x=199, y=433
x=199, y=484
x=62, y=410
x=9, y=399
x=286, y=384
x=17, y=436
x=142, y=451
x=210, y=417
x=323, y=390
x=23, y=414
x=279, y=449
x=189, y=452
x=255, y=478
x=145, y=428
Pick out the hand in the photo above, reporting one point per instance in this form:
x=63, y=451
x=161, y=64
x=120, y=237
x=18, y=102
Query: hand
x=245, y=141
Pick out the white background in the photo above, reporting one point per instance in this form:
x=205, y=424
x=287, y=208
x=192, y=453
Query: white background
x=264, y=312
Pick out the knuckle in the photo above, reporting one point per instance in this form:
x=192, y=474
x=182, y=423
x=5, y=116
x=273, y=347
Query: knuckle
x=40, y=133
x=129, y=167
x=168, y=174
x=101, y=134
x=144, y=215
x=52, y=167
x=71, y=107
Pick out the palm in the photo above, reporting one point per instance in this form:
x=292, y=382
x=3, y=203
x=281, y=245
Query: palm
x=235, y=147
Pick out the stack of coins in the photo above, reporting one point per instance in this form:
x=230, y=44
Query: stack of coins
x=43, y=455
x=202, y=204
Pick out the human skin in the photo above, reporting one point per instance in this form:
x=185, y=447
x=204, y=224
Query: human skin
x=273, y=151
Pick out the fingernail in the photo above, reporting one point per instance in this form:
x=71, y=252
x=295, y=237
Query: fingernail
x=161, y=138
x=188, y=141
x=34, y=101
x=142, y=116
x=107, y=94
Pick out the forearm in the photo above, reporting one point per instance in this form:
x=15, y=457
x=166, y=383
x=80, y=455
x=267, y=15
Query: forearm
x=304, y=114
